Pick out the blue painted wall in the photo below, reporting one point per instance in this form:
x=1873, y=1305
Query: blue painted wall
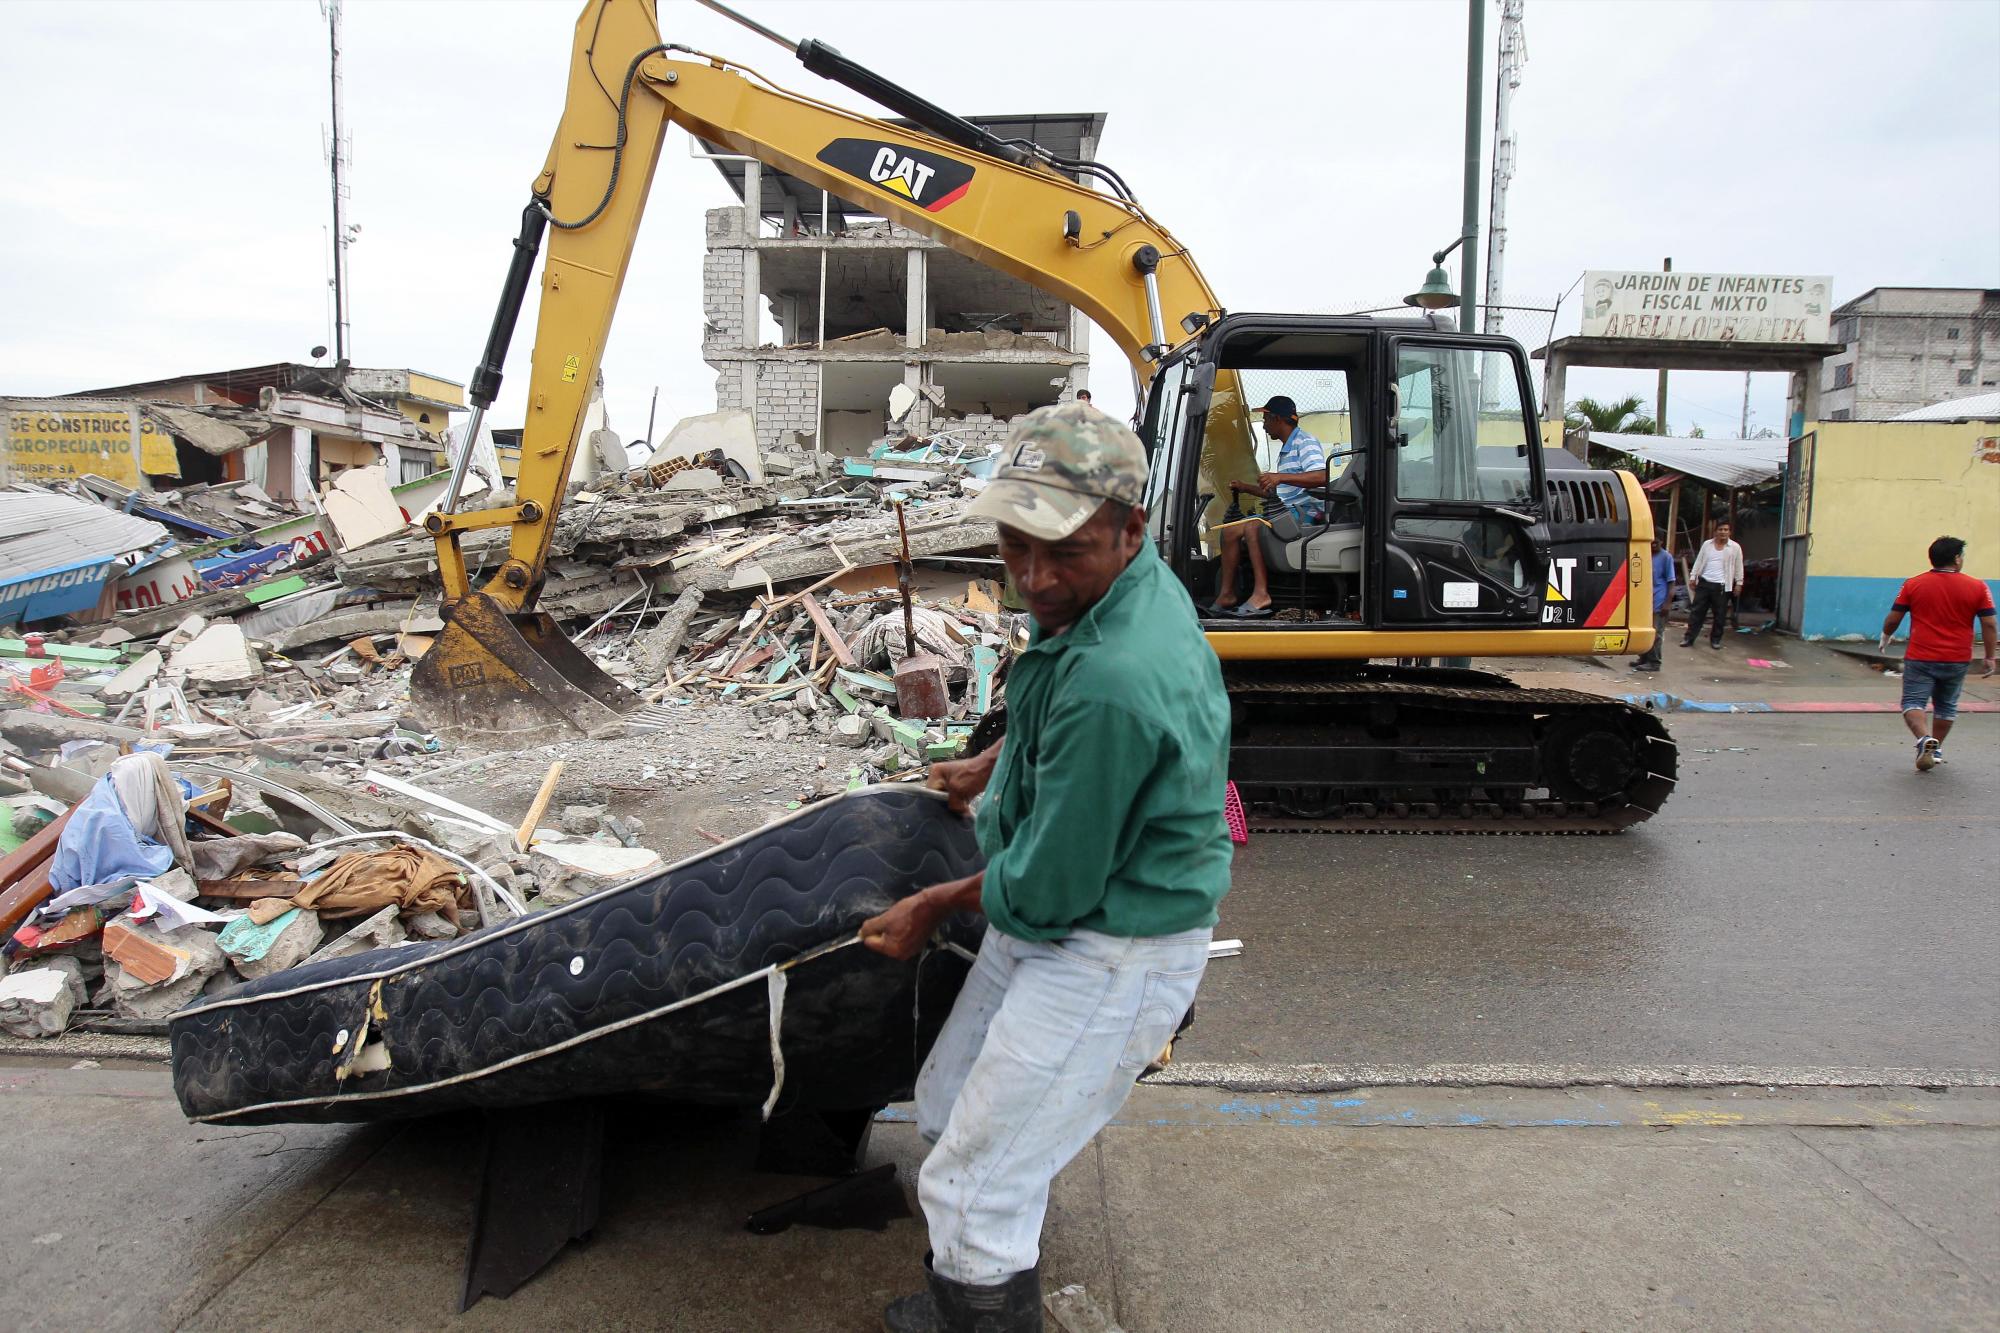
x=1852, y=607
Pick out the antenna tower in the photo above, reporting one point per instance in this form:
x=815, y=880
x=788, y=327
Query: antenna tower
x=1513, y=55
x=340, y=152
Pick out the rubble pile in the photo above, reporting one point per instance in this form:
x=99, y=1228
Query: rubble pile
x=201, y=789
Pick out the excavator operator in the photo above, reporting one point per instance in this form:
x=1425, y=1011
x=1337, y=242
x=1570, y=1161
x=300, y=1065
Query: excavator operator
x=1290, y=507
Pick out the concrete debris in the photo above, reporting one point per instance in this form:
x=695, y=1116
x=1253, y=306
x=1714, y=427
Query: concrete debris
x=581, y=820
x=137, y=954
x=360, y=508
x=220, y=657
x=38, y=1002
x=429, y=926
x=380, y=931
x=567, y=871
x=258, y=949
x=748, y=597
x=133, y=678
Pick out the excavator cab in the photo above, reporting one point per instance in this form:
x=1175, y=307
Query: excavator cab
x=1432, y=515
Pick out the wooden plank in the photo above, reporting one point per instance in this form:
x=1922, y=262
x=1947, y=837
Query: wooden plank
x=834, y=644
x=751, y=548
x=30, y=854
x=524, y=836
x=28, y=893
x=751, y=660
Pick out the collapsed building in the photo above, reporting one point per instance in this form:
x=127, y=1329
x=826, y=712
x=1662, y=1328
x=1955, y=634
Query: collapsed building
x=816, y=309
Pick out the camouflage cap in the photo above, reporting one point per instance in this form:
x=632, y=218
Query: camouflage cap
x=1059, y=464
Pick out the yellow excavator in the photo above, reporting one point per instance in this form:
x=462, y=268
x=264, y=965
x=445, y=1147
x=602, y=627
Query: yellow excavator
x=1444, y=528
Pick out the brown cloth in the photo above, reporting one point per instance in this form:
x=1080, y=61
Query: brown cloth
x=363, y=882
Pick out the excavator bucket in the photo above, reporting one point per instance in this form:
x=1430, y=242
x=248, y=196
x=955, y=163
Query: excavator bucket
x=501, y=681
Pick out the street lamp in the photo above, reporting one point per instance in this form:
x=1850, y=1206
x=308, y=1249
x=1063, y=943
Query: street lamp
x=1436, y=293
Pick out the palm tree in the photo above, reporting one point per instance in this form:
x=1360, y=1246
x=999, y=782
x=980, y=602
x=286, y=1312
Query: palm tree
x=1627, y=416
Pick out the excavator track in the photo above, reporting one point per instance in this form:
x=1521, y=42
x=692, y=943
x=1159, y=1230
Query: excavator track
x=1421, y=750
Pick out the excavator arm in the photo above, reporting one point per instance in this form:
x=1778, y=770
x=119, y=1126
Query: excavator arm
x=503, y=672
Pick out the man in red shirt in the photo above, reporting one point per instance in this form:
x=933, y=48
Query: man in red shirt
x=1942, y=605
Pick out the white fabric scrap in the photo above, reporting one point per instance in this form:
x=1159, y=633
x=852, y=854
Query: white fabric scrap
x=775, y=981
x=149, y=901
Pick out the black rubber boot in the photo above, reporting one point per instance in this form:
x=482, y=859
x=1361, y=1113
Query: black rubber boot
x=915, y=1314
x=1013, y=1306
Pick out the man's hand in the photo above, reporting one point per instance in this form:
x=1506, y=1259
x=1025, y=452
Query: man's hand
x=1987, y=666
x=903, y=930
x=962, y=779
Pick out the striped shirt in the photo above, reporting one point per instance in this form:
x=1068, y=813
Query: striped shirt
x=1301, y=453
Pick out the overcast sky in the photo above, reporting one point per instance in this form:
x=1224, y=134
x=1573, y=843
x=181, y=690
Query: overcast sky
x=165, y=197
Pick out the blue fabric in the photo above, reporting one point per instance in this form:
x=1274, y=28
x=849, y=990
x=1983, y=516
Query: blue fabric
x=1301, y=453
x=1664, y=575
x=1935, y=682
x=99, y=844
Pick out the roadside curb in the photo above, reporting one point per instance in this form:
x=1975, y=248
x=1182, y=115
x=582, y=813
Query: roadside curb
x=1315, y=1077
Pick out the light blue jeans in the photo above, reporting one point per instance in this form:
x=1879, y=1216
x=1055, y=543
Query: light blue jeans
x=1040, y=1051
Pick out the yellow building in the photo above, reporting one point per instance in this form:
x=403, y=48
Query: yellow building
x=1866, y=498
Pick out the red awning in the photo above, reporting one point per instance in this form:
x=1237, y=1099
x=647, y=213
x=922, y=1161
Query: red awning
x=1658, y=484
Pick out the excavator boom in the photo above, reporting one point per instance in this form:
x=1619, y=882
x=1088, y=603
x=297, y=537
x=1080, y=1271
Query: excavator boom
x=499, y=673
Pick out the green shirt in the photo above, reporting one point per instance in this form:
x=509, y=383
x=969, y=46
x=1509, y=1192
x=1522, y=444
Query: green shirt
x=1104, y=812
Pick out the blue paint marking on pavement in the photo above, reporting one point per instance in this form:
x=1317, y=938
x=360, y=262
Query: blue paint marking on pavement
x=1662, y=702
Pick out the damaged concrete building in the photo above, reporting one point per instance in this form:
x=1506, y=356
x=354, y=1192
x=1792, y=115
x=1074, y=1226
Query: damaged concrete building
x=817, y=308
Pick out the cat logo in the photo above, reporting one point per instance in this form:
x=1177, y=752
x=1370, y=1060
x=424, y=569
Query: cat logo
x=1562, y=579
x=928, y=180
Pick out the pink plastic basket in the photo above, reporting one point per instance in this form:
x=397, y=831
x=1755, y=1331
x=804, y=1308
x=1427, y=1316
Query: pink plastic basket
x=1232, y=813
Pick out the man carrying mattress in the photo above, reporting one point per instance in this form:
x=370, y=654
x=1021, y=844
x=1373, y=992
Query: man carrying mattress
x=1106, y=854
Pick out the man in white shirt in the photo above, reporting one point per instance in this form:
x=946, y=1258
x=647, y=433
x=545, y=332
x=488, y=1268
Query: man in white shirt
x=1715, y=576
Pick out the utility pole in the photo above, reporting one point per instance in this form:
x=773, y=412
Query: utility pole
x=1660, y=399
x=1506, y=78
x=1744, y=432
x=1475, y=69
x=1468, y=301
x=337, y=154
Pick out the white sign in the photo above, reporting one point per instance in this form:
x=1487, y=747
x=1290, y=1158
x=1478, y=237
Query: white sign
x=1461, y=596
x=1706, y=307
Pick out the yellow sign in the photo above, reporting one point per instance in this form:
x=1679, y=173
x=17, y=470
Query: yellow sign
x=571, y=365
x=53, y=441
x=1608, y=643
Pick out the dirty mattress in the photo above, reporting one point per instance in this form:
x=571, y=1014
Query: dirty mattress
x=664, y=984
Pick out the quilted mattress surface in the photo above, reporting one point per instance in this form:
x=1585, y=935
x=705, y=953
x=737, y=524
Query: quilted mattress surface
x=568, y=1002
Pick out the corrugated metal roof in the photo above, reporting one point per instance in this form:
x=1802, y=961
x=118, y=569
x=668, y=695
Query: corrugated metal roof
x=1724, y=462
x=43, y=530
x=1979, y=407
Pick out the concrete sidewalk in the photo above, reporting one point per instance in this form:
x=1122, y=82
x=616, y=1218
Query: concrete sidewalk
x=1805, y=672
x=1199, y=1209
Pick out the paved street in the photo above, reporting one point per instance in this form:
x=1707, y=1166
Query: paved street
x=1805, y=901
x=1790, y=977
